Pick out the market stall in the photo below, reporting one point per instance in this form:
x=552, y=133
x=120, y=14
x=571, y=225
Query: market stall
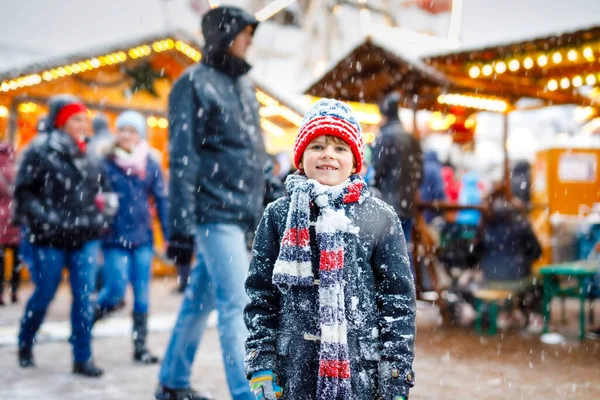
x=136, y=74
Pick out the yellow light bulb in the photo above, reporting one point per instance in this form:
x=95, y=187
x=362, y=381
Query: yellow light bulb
x=557, y=58
x=528, y=63
x=590, y=79
x=47, y=76
x=542, y=60
x=514, y=65
x=487, y=70
x=588, y=53
x=152, y=122
x=163, y=123
x=474, y=72
x=572, y=55
x=500, y=67
x=565, y=83
x=552, y=85
x=577, y=81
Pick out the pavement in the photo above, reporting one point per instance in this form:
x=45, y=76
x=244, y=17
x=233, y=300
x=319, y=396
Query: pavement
x=451, y=363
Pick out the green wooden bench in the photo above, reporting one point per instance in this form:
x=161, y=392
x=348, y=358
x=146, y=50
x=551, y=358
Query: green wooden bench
x=581, y=272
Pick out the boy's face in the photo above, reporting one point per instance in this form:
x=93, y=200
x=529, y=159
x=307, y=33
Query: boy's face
x=328, y=160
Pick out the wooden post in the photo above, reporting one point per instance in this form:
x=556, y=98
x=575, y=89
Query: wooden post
x=506, y=182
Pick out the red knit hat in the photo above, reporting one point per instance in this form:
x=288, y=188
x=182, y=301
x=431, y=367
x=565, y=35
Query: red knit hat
x=67, y=112
x=332, y=118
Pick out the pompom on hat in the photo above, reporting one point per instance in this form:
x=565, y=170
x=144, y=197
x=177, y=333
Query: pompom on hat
x=332, y=118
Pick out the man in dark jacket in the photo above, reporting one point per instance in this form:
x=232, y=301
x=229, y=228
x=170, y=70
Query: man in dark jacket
x=57, y=190
x=432, y=187
x=520, y=181
x=217, y=157
x=398, y=162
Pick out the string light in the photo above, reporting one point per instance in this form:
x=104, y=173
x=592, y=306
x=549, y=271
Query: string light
x=588, y=53
x=273, y=107
x=514, y=65
x=577, y=81
x=528, y=63
x=101, y=61
x=271, y=128
x=572, y=55
x=3, y=112
x=552, y=85
x=565, y=83
x=590, y=79
x=500, y=67
x=542, y=60
x=557, y=58
x=487, y=70
x=474, y=72
x=476, y=102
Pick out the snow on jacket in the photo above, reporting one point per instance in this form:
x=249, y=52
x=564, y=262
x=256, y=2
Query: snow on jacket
x=132, y=225
x=380, y=307
x=509, y=244
x=55, y=190
x=9, y=233
x=470, y=195
x=398, y=162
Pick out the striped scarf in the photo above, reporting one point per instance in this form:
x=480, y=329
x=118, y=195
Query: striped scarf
x=293, y=267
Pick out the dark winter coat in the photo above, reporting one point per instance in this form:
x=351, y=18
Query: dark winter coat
x=217, y=153
x=509, y=244
x=132, y=226
x=9, y=233
x=520, y=181
x=380, y=307
x=398, y=162
x=55, y=190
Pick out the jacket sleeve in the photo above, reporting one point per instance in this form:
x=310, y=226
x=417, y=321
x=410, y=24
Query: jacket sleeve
x=160, y=199
x=28, y=184
x=262, y=312
x=397, y=304
x=187, y=123
x=381, y=150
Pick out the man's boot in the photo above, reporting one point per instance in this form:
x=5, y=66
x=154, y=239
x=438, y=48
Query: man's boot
x=140, y=331
x=165, y=393
x=88, y=369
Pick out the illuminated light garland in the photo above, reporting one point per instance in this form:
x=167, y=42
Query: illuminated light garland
x=3, y=112
x=528, y=63
x=500, y=67
x=474, y=72
x=572, y=55
x=101, y=61
x=514, y=65
x=542, y=60
x=487, y=70
x=552, y=85
x=272, y=107
x=271, y=128
x=475, y=102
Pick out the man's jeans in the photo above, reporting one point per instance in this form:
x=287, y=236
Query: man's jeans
x=48, y=263
x=120, y=267
x=217, y=281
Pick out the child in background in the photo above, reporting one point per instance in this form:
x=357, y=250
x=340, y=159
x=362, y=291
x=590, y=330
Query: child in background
x=332, y=300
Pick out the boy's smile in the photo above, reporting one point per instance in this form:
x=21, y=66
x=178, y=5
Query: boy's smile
x=328, y=160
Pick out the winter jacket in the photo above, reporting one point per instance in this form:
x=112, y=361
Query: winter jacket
x=217, y=152
x=9, y=233
x=470, y=195
x=520, y=181
x=132, y=226
x=509, y=245
x=380, y=307
x=55, y=190
x=398, y=163
x=451, y=186
x=432, y=187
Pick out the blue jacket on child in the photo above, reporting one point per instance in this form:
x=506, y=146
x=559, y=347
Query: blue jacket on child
x=132, y=226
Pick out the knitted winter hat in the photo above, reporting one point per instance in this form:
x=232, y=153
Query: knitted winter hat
x=333, y=118
x=133, y=119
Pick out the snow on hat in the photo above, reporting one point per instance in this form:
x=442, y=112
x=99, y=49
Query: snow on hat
x=133, y=119
x=333, y=118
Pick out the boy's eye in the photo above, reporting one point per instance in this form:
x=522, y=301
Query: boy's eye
x=341, y=148
x=316, y=146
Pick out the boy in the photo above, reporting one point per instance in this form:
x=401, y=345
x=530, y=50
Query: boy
x=332, y=300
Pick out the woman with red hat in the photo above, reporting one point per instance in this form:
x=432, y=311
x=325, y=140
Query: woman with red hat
x=59, y=195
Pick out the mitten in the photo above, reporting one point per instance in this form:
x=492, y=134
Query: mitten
x=181, y=249
x=265, y=385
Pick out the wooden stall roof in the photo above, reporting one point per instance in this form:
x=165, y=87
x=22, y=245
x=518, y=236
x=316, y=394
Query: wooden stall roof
x=371, y=70
x=552, y=68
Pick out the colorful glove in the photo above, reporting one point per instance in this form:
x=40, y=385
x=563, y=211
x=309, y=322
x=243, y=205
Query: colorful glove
x=265, y=386
x=395, y=397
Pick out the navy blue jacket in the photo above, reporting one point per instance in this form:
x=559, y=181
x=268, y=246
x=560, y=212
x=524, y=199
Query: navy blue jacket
x=380, y=307
x=132, y=226
x=509, y=246
x=398, y=162
x=432, y=187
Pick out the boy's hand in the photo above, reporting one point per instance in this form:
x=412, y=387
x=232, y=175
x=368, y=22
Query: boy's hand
x=265, y=385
